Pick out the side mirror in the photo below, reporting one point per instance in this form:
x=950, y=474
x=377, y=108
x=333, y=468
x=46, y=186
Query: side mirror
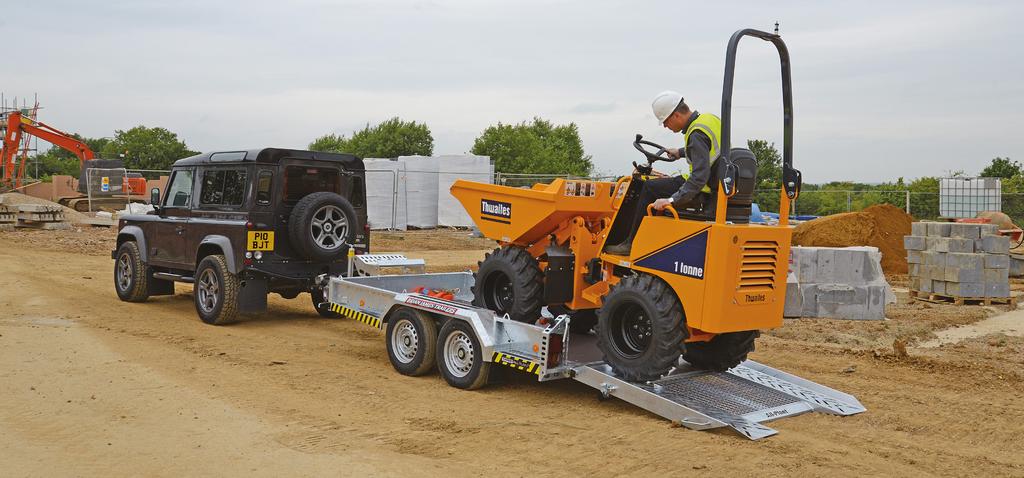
x=154, y=197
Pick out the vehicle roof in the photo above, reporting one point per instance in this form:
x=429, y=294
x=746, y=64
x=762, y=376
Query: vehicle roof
x=269, y=155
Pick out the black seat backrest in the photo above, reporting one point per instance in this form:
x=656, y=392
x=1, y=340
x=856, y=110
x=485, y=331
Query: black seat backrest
x=738, y=211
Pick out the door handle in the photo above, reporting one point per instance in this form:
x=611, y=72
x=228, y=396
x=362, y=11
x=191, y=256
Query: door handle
x=180, y=230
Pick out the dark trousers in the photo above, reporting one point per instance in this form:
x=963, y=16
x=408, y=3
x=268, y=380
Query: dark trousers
x=653, y=190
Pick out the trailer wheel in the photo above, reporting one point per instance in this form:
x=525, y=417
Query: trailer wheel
x=509, y=282
x=411, y=341
x=459, y=356
x=130, y=280
x=640, y=328
x=722, y=352
x=319, y=296
x=216, y=291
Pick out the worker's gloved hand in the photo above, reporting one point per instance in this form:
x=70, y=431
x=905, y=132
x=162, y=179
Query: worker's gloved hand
x=660, y=204
x=674, y=153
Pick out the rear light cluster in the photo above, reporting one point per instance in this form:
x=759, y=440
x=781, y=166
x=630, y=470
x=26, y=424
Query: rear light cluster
x=254, y=255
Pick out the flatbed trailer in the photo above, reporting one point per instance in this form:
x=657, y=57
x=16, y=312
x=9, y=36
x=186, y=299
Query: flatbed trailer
x=742, y=398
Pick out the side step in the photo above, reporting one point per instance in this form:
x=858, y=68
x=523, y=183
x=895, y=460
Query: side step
x=741, y=398
x=173, y=277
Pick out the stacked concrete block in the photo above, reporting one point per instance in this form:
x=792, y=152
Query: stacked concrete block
x=8, y=217
x=958, y=260
x=838, y=283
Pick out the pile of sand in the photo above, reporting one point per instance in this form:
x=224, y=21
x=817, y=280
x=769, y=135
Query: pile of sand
x=882, y=226
x=15, y=199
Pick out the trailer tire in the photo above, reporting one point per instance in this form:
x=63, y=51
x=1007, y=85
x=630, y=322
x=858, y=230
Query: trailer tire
x=509, y=281
x=411, y=341
x=131, y=280
x=641, y=328
x=722, y=352
x=319, y=296
x=215, y=292
x=322, y=225
x=459, y=356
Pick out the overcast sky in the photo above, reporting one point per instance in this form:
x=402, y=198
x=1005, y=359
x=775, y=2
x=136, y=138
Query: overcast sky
x=881, y=89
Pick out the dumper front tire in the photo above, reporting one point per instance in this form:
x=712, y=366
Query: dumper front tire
x=640, y=328
x=412, y=341
x=130, y=274
x=215, y=292
x=509, y=281
x=722, y=352
x=460, y=357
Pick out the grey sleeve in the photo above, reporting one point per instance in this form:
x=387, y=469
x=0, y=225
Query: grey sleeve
x=699, y=152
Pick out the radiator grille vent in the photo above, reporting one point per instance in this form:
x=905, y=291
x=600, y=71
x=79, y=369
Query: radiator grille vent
x=757, y=265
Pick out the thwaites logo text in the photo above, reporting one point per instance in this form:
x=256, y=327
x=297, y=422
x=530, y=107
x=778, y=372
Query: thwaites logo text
x=754, y=297
x=496, y=208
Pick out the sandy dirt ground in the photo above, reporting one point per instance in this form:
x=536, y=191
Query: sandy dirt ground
x=91, y=386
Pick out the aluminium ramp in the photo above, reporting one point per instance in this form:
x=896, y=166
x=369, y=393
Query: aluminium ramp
x=741, y=398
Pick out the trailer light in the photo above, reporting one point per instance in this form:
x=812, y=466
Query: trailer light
x=249, y=225
x=258, y=255
x=248, y=255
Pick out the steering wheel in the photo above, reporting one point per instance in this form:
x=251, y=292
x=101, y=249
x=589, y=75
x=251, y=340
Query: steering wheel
x=660, y=155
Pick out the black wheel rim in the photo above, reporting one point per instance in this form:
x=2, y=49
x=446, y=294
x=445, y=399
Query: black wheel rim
x=631, y=330
x=498, y=292
x=124, y=272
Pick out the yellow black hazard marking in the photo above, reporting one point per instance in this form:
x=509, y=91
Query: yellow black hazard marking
x=517, y=363
x=356, y=315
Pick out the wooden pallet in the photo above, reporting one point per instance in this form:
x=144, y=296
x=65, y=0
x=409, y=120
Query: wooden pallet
x=951, y=299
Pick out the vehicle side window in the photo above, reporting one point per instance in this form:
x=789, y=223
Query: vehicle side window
x=223, y=187
x=180, y=191
x=263, y=183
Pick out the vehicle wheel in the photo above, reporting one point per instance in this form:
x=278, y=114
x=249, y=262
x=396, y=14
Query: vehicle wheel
x=581, y=321
x=722, y=352
x=319, y=296
x=215, y=292
x=459, y=356
x=411, y=341
x=130, y=278
x=509, y=282
x=640, y=328
x=322, y=225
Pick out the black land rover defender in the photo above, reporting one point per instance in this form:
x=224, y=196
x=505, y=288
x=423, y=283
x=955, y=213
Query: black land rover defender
x=241, y=224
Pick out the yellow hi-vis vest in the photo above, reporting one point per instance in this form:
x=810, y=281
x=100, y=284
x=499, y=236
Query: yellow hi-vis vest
x=710, y=125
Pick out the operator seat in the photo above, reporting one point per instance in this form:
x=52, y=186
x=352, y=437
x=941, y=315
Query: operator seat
x=738, y=209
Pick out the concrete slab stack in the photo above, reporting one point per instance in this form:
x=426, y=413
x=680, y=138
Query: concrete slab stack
x=8, y=217
x=958, y=261
x=41, y=216
x=838, y=283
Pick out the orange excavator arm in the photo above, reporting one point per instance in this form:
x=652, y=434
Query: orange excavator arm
x=18, y=125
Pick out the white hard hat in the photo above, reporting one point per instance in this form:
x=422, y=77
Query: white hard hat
x=665, y=103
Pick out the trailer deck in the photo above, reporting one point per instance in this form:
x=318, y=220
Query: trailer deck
x=742, y=398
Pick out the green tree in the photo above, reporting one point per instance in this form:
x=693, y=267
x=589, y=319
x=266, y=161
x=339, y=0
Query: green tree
x=58, y=160
x=390, y=139
x=1001, y=168
x=146, y=148
x=536, y=147
x=769, y=174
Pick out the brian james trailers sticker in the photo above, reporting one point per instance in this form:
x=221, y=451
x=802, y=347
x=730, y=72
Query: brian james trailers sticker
x=427, y=304
x=496, y=208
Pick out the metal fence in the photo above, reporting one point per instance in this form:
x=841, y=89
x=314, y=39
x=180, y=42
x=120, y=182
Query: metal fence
x=920, y=205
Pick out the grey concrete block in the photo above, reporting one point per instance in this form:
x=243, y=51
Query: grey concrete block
x=914, y=243
x=854, y=266
x=953, y=274
x=960, y=245
x=965, y=261
x=825, y=268
x=841, y=294
x=914, y=270
x=939, y=287
x=915, y=283
x=919, y=229
x=995, y=244
x=1016, y=267
x=937, y=244
x=794, y=300
x=934, y=258
x=997, y=289
x=938, y=229
x=996, y=275
x=915, y=257
x=989, y=229
x=996, y=261
x=876, y=302
x=808, y=300
x=965, y=289
x=965, y=230
x=926, y=285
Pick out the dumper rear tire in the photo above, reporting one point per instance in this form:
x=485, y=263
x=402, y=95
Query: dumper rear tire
x=641, y=328
x=411, y=341
x=460, y=357
x=509, y=281
x=722, y=352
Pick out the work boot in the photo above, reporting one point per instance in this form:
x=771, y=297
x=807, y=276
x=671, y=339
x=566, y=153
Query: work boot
x=620, y=249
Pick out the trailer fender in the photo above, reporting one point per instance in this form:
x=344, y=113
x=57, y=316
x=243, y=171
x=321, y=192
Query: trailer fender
x=134, y=233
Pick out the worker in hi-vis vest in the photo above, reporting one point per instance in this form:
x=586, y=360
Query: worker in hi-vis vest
x=701, y=136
